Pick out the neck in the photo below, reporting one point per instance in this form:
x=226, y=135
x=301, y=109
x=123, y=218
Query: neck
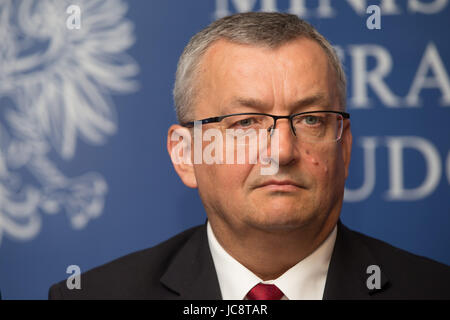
x=270, y=253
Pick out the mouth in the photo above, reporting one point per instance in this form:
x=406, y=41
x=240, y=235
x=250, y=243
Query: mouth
x=280, y=185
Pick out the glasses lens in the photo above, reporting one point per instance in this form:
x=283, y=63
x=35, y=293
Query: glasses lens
x=318, y=127
x=247, y=121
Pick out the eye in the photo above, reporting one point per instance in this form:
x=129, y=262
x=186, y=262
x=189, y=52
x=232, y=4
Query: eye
x=311, y=120
x=247, y=122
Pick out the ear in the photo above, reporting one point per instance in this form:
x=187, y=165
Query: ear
x=346, y=143
x=179, y=147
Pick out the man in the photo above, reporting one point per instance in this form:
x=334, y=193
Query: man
x=274, y=236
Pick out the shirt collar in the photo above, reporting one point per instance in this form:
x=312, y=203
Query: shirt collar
x=305, y=280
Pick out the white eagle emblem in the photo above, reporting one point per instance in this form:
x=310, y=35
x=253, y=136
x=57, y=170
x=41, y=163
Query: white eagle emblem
x=55, y=86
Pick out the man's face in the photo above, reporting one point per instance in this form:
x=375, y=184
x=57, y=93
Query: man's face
x=239, y=78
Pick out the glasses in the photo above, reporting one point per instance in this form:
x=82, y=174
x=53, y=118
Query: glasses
x=312, y=126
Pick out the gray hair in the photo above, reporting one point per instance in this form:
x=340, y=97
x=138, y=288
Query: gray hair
x=270, y=29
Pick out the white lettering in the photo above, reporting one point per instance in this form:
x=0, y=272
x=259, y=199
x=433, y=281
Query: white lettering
x=397, y=190
x=374, y=21
x=273, y=158
x=213, y=152
x=448, y=167
x=362, y=78
x=374, y=281
x=389, y=7
x=427, y=8
x=324, y=8
x=359, y=6
x=74, y=20
x=430, y=61
x=74, y=280
x=215, y=147
x=222, y=8
x=369, y=144
x=198, y=143
x=269, y=5
x=242, y=145
x=299, y=8
x=244, y=5
x=184, y=146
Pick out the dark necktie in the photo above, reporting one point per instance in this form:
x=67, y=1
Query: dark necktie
x=265, y=292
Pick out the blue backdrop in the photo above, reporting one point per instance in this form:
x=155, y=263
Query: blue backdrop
x=85, y=105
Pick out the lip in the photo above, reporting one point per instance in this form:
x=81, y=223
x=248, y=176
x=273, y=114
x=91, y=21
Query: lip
x=280, y=185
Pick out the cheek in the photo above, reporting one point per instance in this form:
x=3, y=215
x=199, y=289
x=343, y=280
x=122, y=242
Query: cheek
x=226, y=177
x=317, y=160
x=226, y=187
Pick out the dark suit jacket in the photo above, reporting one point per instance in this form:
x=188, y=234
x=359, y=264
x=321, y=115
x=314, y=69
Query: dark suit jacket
x=182, y=268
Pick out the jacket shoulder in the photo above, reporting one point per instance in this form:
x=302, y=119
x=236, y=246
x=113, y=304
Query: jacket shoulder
x=386, y=251
x=134, y=276
x=410, y=276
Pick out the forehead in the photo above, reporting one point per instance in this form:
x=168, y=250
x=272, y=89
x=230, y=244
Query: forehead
x=279, y=76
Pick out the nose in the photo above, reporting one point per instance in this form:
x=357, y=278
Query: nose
x=287, y=145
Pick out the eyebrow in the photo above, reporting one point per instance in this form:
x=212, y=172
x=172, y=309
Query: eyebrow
x=318, y=98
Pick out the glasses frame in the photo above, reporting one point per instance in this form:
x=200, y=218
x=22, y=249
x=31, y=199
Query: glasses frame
x=190, y=124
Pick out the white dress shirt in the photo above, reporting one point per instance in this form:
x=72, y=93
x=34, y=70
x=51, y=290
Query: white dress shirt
x=304, y=281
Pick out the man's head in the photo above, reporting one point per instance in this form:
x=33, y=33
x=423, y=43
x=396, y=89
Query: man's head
x=271, y=63
x=270, y=30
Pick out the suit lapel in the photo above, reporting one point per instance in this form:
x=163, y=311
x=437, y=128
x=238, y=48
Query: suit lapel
x=191, y=274
x=347, y=273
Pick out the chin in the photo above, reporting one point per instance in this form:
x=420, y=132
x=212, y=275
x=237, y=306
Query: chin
x=281, y=219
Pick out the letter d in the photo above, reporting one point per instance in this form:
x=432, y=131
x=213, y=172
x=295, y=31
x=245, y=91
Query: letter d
x=397, y=190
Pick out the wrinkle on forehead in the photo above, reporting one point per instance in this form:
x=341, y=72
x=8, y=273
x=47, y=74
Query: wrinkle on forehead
x=275, y=76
